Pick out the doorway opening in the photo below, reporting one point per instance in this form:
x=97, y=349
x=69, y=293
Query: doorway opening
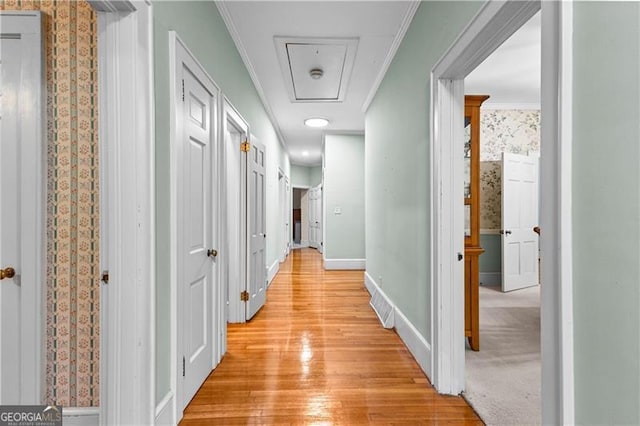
x=496, y=22
x=300, y=215
x=502, y=364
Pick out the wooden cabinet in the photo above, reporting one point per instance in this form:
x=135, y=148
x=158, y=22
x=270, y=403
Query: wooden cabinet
x=472, y=249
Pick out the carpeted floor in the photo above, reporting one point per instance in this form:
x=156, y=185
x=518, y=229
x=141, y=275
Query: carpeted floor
x=503, y=378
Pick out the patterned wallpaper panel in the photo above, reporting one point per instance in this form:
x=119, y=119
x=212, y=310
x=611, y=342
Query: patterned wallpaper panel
x=73, y=304
x=514, y=131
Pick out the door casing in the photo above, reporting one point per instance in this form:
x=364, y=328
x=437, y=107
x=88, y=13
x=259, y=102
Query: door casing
x=492, y=25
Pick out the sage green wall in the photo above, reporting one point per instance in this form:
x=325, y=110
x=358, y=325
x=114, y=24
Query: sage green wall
x=300, y=176
x=606, y=212
x=397, y=162
x=344, y=189
x=200, y=26
x=306, y=176
x=491, y=259
x=315, y=175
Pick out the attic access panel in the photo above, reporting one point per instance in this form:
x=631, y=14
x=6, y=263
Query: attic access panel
x=298, y=56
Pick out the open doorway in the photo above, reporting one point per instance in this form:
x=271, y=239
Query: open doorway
x=496, y=22
x=503, y=368
x=300, y=215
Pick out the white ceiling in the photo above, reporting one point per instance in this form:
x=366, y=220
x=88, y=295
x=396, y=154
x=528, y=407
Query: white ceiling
x=511, y=74
x=256, y=27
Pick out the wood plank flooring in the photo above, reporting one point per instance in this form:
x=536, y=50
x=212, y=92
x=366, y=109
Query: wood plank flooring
x=317, y=354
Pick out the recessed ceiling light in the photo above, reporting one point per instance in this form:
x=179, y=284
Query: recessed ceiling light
x=316, y=122
x=305, y=153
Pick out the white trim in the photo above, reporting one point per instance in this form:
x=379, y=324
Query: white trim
x=127, y=211
x=80, y=416
x=556, y=250
x=345, y=264
x=493, y=24
x=414, y=341
x=490, y=278
x=235, y=36
x=165, y=411
x=410, y=336
x=272, y=271
x=510, y=106
x=31, y=254
x=412, y=8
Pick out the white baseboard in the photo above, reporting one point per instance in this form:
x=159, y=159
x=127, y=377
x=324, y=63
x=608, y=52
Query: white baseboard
x=491, y=278
x=381, y=304
x=81, y=416
x=410, y=336
x=338, y=264
x=272, y=271
x=164, y=411
x=414, y=341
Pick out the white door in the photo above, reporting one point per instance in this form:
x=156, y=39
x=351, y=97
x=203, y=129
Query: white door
x=195, y=227
x=520, y=186
x=315, y=218
x=233, y=230
x=313, y=221
x=256, y=271
x=21, y=213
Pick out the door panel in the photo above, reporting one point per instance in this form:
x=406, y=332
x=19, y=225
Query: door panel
x=257, y=272
x=195, y=233
x=520, y=185
x=22, y=212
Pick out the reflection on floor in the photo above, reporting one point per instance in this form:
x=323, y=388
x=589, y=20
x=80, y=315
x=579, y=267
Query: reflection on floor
x=503, y=378
x=316, y=354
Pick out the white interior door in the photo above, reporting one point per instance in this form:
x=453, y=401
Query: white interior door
x=319, y=233
x=313, y=219
x=257, y=271
x=21, y=212
x=195, y=227
x=520, y=189
x=233, y=230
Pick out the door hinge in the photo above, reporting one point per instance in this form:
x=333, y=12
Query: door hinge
x=105, y=277
x=245, y=146
x=183, y=90
x=244, y=296
x=183, y=367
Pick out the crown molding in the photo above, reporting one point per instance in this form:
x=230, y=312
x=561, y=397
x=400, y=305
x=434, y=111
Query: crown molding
x=235, y=36
x=404, y=26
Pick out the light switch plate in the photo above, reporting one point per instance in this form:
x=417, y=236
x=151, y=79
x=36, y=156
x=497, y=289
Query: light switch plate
x=337, y=210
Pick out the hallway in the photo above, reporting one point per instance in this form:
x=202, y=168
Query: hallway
x=317, y=353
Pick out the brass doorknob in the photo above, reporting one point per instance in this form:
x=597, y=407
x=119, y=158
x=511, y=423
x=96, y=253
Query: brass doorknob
x=212, y=253
x=7, y=273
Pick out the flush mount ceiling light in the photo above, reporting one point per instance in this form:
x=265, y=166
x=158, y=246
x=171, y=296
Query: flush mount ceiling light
x=316, y=73
x=316, y=122
x=305, y=153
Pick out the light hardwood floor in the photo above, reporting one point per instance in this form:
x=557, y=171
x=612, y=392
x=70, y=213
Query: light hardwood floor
x=316, y=354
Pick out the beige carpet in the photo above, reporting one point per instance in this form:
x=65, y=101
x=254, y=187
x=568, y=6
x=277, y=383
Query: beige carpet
x=503, y=378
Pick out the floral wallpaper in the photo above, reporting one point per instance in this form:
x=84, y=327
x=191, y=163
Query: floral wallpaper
x=514, y=131
x=490, y=194
x=73, y=286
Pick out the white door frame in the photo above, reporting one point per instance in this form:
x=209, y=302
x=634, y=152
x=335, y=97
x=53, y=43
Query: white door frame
x=127, y=212
x=32, y=267
x=178, y=53
x=494, y=23
x=285, y=214
x=237, y=311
